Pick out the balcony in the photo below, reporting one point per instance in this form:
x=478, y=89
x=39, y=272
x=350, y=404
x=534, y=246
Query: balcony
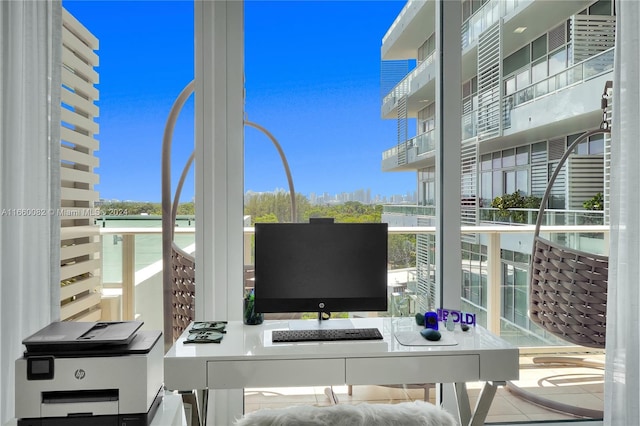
x=132, y=266
x=418, y=86
x=571, y=95
x=551, y=217
x=415, y=153
x=402, y=38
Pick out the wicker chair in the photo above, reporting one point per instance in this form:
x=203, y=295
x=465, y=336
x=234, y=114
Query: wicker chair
x=567, y=298
x=179, y=267
x=568, y=294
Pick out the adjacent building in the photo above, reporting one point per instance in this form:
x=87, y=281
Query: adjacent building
x=533, y=75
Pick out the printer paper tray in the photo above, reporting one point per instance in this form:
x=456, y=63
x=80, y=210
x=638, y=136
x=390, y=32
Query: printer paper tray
x=143, y=419
x=113, y=420
x=74, y=421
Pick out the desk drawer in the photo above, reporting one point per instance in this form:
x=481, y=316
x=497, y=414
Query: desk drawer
x=274, y=373
x=413, y=369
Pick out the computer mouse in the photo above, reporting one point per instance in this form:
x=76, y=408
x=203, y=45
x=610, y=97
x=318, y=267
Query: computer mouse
x=430, y=334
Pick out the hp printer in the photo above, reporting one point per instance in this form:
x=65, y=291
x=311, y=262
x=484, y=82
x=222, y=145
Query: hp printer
x=102, y=374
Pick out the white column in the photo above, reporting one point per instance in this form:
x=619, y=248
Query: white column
x=219, y=70
x=494, y=280
x=219, y=159
x=448, y=167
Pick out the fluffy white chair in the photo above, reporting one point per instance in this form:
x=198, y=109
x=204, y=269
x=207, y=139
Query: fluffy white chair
x=417, y=413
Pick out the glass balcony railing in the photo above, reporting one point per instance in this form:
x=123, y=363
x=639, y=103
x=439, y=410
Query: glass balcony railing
x=423, y=144
x=551, y=217
x=410, y=210
x=487, y=215
x=470, y=125
x=147, y=238
x=585, y=70
x=404, y=87
x=485, y=17
x=393, y=152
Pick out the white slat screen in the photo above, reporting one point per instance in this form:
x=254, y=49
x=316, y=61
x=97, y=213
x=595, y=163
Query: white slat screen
x=586, y=179
x=489, y=83
x=80, y=250
x=591, y=34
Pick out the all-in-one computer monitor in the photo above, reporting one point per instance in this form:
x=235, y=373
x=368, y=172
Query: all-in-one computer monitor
x=320, y=266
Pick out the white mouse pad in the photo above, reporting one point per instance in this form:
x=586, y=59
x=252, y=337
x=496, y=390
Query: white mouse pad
x=414, y=338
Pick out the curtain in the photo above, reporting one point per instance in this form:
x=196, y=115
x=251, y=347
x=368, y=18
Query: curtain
x=30, y=68
x=622, y=370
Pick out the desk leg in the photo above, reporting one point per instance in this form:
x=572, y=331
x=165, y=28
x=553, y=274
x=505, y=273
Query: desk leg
x=464, y=407
x=479, y=415
x=225, y=406
x=202, y=398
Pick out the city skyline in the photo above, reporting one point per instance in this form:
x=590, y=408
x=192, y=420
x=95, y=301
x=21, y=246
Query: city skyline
x=316, y=89
x=362, y=195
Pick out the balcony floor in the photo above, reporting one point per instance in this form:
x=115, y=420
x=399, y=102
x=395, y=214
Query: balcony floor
x=580, y=386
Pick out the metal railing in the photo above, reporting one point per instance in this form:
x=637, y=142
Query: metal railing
x=492, y=238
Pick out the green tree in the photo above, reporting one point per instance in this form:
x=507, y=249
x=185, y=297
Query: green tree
x=594, y=203
x=509, y=202
x=402, y=251
x=186, y=209
x=267, y=218
x=278, y=203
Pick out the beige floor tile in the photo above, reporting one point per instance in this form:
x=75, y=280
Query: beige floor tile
x=283, y=404
x=500, y=407
x=376, y=393
x=581, y=400
x=282, y=391
x=572, y=379
x=551, y=390
x=595, y=387
x=550, y=415
x=527, y=407
x=506, y=418
x=280, y=395
x=250, y=407
x=419, y=394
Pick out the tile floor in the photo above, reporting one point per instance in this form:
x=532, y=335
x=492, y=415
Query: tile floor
x=575, y=385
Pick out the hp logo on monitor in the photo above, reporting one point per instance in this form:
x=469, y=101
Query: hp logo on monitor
x=321, y=305
x=80, y=373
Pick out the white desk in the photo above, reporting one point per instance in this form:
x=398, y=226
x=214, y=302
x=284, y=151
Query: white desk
x=246, y=357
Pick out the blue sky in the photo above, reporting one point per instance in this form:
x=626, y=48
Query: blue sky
x=312, y=78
